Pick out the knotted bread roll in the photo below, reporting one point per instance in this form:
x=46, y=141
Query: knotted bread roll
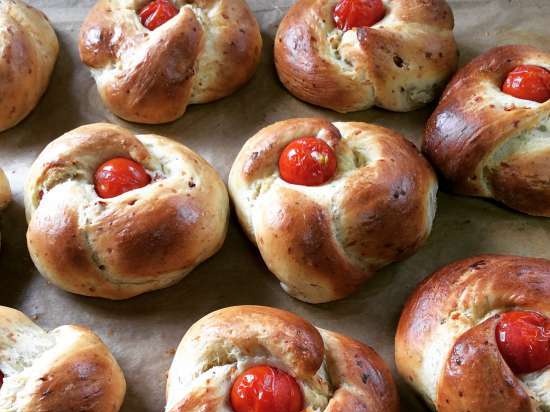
x=400, y=63
x=334, y=372
x=446, y=344
x=206, y=52
x=68, y=369
x=141, y=240
x=323, y=242
x=491, y=144
x=28, y=51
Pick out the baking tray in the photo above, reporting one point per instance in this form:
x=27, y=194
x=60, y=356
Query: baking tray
x=143, y=332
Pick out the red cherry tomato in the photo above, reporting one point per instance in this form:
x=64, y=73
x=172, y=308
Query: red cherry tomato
x=307, y=161
x=523, y=339
x=349, y=14
x=528, y=82
x=157, y=13
x=118, y=176
x=266, y=389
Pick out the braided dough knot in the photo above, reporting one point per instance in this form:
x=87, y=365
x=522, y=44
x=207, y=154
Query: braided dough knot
x=446, y=345
x=322, y=242
x=400, y=63
x=335, y=372
x=206, y=52
x=67, y=369
x=142, y=240
x=488, y=143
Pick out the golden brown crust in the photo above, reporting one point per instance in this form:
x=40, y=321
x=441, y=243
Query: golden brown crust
x=142, y=240
x=399, y=64
x=323, y=242
x=28, y=51
x=89, y=377
x=336, y=373
x=363, y=380
x=151, y=76
x=66, y=370
x=485, y=142
x=445, y=341
x=475, y=361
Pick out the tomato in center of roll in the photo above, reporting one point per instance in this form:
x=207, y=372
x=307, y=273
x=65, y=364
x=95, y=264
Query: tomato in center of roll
x=528, y=82
x=307, y=161
x=157, y=13
x=349, y=14
x=523, y=339
x=266, y=389
x=118, y=176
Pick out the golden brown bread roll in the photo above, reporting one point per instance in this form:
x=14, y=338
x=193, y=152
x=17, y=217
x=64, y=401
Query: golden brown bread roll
x=446, y=345
x=323, y=242
x=68, y=369
x=206, y=52
x=334, y=372
x=29, y=51
x=141, y=240
x=400, y=63
x=488, y=143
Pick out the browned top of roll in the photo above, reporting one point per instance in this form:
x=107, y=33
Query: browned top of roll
x=323, y=242
x=207, y=51
x=142, y=240
x=488, y=143
x=445, y=343
x=68, y=369
x=400, y=63
x=335, y=373
x=29, y=51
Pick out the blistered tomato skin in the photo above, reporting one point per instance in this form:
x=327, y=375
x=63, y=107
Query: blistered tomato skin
x=118, y=176
x=307, y=161
x=157, y=13
x=349, y=14
x=523, y=339
x=266, y=389
x=528, y=82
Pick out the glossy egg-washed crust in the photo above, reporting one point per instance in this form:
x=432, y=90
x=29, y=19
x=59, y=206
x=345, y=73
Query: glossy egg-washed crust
x=476, y=136
x=206, y=52
x=336, y=373
x=400, y=63
x=323, y=242
x=446, y=345
x=145, y=239
x=28, y=51
x=66, y=370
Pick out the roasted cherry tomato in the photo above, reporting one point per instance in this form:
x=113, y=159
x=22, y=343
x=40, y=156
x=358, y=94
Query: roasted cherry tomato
x=307, y=161
x=118, y=176
x=528, y=82
x=523, y=339
x=157, y=13
x=349, y=14
x=266, y=389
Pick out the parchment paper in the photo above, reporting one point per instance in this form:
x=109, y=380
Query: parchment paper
x=143, y=332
